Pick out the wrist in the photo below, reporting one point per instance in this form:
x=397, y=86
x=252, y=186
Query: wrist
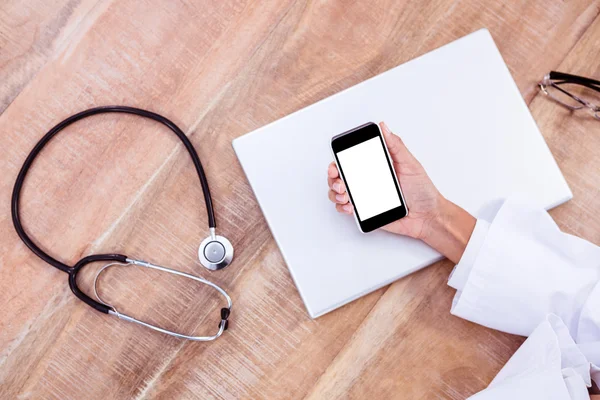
x=449, y=230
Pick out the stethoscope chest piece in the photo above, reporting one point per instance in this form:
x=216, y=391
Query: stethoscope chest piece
x=215, y=252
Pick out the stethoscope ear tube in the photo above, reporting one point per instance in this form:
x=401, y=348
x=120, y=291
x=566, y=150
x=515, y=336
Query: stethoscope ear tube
x=225, y=311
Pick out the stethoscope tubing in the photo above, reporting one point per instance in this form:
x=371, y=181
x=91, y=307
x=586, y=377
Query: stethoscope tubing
x=72, y=119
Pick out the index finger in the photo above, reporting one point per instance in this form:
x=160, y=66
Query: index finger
x=332, y=173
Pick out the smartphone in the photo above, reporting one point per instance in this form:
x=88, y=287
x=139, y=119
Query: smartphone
x=365, y=167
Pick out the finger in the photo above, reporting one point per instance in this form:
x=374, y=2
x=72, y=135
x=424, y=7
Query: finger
x=332, y=174
x=338, y=186
x=332, y=171
x=338, y=198
x=398, y=151
x=344, y=209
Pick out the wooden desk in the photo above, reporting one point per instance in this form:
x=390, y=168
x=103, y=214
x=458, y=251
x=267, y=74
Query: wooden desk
x=220, y=69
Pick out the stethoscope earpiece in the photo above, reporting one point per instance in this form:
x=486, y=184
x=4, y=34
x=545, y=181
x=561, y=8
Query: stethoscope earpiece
x=215, y=252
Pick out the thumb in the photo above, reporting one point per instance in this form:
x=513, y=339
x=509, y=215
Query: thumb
x=395, y=145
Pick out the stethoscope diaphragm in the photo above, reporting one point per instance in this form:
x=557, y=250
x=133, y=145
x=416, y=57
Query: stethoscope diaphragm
x=215, y=252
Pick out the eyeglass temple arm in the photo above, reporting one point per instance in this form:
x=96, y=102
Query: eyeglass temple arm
x=588, y=82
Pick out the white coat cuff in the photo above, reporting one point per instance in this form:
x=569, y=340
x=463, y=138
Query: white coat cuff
x=460, y=273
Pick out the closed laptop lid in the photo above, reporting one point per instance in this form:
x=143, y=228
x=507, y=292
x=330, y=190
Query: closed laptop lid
x=460, y=113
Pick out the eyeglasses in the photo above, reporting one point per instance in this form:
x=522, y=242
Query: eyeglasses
x=572, y=91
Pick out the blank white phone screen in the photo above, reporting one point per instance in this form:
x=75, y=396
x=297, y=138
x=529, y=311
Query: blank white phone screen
x=370, y=181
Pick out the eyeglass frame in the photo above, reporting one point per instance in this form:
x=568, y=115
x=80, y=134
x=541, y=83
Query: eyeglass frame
x=555, y=79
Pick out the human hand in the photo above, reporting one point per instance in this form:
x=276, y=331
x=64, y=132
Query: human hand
x=431, y=218
x=421, y=195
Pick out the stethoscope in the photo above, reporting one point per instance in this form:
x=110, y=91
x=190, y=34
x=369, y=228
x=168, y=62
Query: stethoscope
x=215, y=252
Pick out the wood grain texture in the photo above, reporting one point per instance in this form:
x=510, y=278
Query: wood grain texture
x=30, y=34
x=221, y=69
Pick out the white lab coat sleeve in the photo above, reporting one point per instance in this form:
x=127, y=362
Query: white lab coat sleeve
x=521, y=274
x=526, y=268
